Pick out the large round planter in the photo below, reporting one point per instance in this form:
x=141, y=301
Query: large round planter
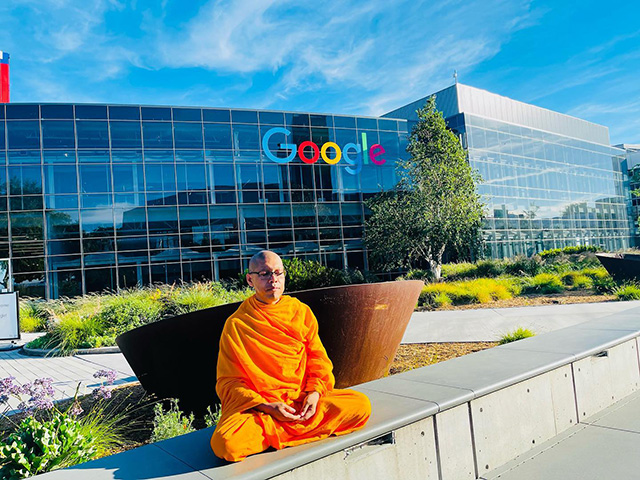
x=621, y=266
x=361, y=327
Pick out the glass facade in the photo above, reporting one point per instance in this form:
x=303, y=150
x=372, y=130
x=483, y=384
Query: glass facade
x=543, y=189
x=108, y=196
x=96, y=197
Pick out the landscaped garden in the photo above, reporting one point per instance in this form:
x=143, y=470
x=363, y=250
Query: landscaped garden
x=569, y=275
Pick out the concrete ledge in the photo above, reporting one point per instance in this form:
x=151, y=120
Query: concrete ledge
x=456, y=419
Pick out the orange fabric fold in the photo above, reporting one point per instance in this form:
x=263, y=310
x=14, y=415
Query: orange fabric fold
x=272, y=353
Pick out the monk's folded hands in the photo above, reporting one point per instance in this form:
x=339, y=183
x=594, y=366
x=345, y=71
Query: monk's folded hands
x=309, y=406
x=280, y=411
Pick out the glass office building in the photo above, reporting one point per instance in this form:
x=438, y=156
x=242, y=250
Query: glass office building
x=112, y=196
x=550, y=180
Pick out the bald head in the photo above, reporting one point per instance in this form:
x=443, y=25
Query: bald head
x=269, y=286
x=262, y=257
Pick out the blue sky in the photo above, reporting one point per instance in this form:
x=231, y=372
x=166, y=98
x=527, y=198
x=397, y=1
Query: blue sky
x=580, y=58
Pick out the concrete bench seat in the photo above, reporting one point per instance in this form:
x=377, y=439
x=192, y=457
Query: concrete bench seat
x=455, y=419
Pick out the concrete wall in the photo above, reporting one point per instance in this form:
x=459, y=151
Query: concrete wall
x=472, y=438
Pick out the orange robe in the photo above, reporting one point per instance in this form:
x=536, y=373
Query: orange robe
x=272, y=353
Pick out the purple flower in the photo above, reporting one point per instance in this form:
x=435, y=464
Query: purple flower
x=76, y=409
x=8, y=387
x=108, y=375
x=102, y=392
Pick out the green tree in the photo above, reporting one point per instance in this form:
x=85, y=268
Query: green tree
x=434, y=206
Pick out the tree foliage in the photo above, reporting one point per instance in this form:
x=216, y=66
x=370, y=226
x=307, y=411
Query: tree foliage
x=434, y=206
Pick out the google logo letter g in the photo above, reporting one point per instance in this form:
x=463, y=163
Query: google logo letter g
x=352, y=153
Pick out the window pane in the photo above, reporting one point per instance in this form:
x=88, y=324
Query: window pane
x=160, y=177
x=95, y=178
x=223, y=178
x=344, y=122
x=92, y=134
x=56, y=111
x=191, y=177
x=93, y=156
x=246, y=137
x=2, y=145
x=156, y=113
x=272, y=118
x=163, y=220
x=242, y=116
x=22, y=112
x=97, y=223
x=125, y=135
x=187, y=114
x=216, y=116
x=25, y=180
x=157, y=135
x=128, y=178
x=59, y=156
x=124, y=113
x=223, y=218
x=188, y=135
x=23, y=134
x=126, y=156
x=217, y=136
x=62, y=224
x=27, y=226
x=58, y=134
x=24, y=156
x=91, y=112
x=60, y=179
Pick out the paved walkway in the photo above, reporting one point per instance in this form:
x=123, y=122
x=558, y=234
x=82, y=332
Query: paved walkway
x=66, y=372
x=488, y=324
x=447, y=326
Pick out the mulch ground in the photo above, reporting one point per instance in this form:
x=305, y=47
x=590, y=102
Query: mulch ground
x=416, y=355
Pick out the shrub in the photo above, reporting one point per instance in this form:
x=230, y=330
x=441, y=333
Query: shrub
x=452, y=271
x=212, y=418
x=628, y=292
x=129, y=309
x=41, y=446
x=54, y=438
x=594, y=273
x=482, y=290
x=171, y=423
x=554, y=252
x=33, y=318
x=518, y=334
x=490, y=268
x=306, y=274
x=604, y=285
x=544, y=283
x=417, y=274
x=198, y=296
x=523, y=266
x=576, y=280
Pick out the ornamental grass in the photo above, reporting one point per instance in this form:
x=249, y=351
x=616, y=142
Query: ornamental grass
x=482, y=290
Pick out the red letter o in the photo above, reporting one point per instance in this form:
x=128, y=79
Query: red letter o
x=316, y=152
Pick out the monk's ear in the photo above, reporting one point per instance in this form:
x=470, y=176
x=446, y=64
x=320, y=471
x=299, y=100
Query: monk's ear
x=249, y=280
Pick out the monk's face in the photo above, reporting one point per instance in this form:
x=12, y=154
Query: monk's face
x=269, y=288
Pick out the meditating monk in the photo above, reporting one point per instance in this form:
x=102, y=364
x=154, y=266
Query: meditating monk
x=275, y=380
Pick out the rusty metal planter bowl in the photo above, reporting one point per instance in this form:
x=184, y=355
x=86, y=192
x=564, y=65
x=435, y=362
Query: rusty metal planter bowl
x=361, y=327
x=621, y=266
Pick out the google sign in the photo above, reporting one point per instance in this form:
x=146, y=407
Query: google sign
x=352, y=153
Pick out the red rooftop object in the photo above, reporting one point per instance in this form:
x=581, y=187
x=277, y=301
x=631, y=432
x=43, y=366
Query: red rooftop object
x=4, y=77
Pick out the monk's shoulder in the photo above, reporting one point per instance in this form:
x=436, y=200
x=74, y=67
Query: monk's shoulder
x=237, y=317
x=298, y=306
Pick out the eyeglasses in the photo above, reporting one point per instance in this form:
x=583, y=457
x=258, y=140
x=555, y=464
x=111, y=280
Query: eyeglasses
x=264, y=274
